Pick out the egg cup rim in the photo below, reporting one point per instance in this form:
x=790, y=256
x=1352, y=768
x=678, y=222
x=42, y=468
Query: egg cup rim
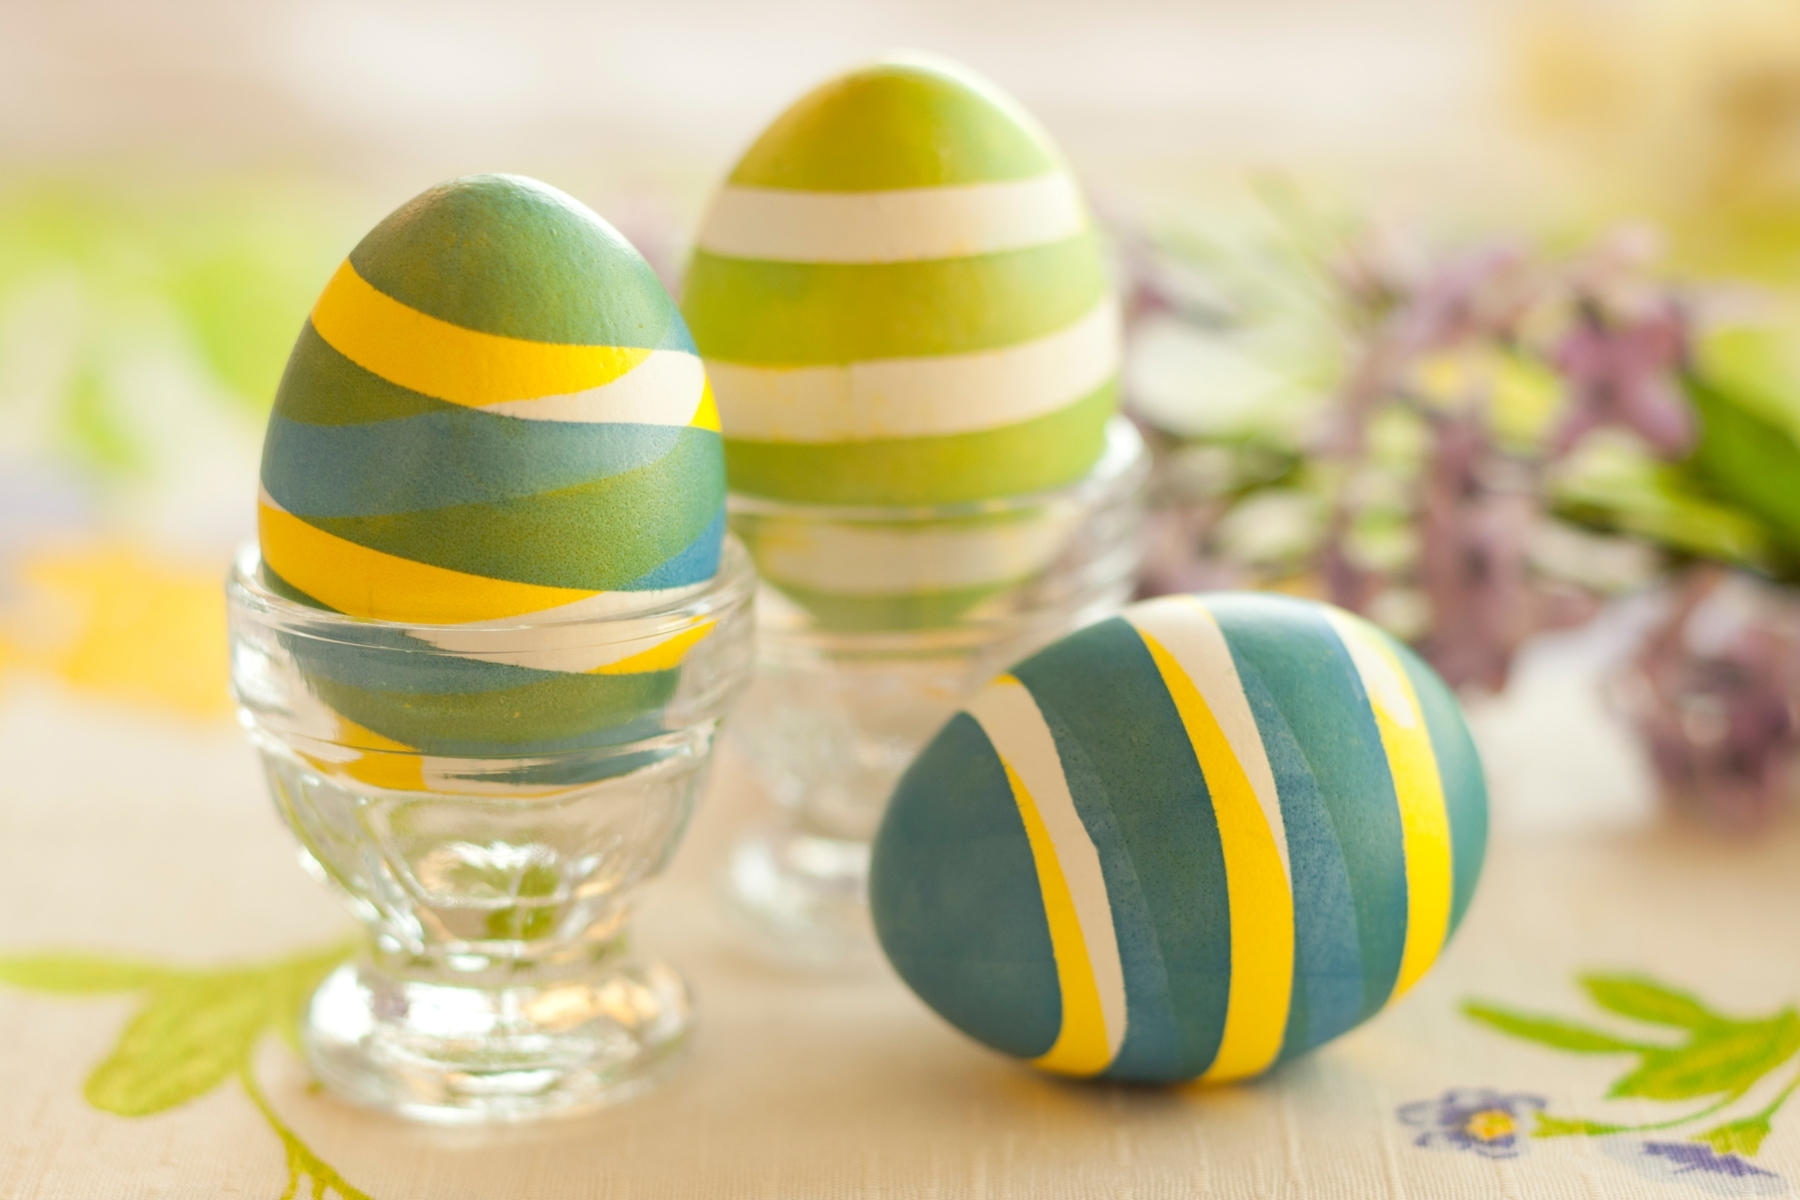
x=732, y=587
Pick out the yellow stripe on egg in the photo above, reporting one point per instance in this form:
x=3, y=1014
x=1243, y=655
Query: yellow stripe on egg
x=361, y=582
x=665, y=654
x=706, y=415
x=1089, y=971
x=1424, y=820
x=378, y=761
x=462, y=366
x=1196, y=666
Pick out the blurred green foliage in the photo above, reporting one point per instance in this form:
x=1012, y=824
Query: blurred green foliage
x=1736, y=498
x=220, y=272
x=1612, y=485
x=1746, y=389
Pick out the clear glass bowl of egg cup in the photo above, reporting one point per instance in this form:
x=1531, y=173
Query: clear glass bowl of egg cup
x=496, y=879
x=873, y=626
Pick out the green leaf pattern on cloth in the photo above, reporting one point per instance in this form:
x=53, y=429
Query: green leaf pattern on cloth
x=1648, y=1001
x=195, y=1030
x=78, y=974
x=1727, y=1058
x=1696, y=1054
x=1548, y=1126
x=1549, y=1031
x=1738, y=1137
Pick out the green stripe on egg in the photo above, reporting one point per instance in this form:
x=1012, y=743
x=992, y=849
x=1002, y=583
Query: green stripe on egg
x=789, y=314
x=322, y=387
x=510, y=256
x=477, y=458
x=1032, y=456
x=908, y=123
x=551, y=713
x=599, y=535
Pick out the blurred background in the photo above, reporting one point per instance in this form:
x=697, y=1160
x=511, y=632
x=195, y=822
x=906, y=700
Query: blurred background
x=1477, y=317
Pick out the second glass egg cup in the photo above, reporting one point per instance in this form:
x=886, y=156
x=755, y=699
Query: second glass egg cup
x=853, y=676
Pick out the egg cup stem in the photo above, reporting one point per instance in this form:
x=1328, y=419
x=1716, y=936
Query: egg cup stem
x=874, y=624
x=495, y=855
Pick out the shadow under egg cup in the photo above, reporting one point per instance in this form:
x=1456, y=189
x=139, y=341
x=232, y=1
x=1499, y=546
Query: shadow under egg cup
x=873, y=626
x=487, y=800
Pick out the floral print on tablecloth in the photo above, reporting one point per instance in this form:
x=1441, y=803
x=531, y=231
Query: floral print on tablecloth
x=1693, y=1055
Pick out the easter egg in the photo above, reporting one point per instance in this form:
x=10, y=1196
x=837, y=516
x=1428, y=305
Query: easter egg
x=1187, y=842
x=494, y=417
x=902, y=301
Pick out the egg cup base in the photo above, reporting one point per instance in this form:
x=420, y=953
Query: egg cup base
x=799, y=898
x=384, y=1038
x=839, y=706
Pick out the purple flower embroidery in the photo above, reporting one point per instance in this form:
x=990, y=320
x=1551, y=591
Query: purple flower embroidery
x=1481, y=1120
x=1697, y=1164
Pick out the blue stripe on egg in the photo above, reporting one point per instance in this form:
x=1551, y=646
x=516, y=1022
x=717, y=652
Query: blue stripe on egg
x=1328, y=977
x=700, y=560
x=974, y=910
x=1321, y=695
x=960, y=847
x=437, y=459
x=1126, y=755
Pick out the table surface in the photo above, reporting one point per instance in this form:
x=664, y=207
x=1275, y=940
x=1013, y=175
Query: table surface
x=145, y=837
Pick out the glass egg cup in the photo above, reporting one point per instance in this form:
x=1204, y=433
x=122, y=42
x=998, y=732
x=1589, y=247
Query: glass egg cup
x=497, y=868
x=849, y=687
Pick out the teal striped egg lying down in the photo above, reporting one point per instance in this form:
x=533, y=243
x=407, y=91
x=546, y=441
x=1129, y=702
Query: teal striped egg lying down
x=901, y=299
x=1188, y=842
x=494, y=416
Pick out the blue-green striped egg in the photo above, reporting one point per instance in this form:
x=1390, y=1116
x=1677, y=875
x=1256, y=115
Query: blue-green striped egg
x=1188, y=842
x=494, y=416
x=901, y=300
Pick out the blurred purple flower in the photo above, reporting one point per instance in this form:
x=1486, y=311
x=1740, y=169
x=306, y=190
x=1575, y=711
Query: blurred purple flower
x=1407, y=311
x=1713, y=691
x=1621, y=371
x=1472, y=561
x=1463, y=584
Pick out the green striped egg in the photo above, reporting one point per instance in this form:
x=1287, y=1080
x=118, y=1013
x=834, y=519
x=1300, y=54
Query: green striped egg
x=901, y=299
x=1190, y=841
x=494, y=416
